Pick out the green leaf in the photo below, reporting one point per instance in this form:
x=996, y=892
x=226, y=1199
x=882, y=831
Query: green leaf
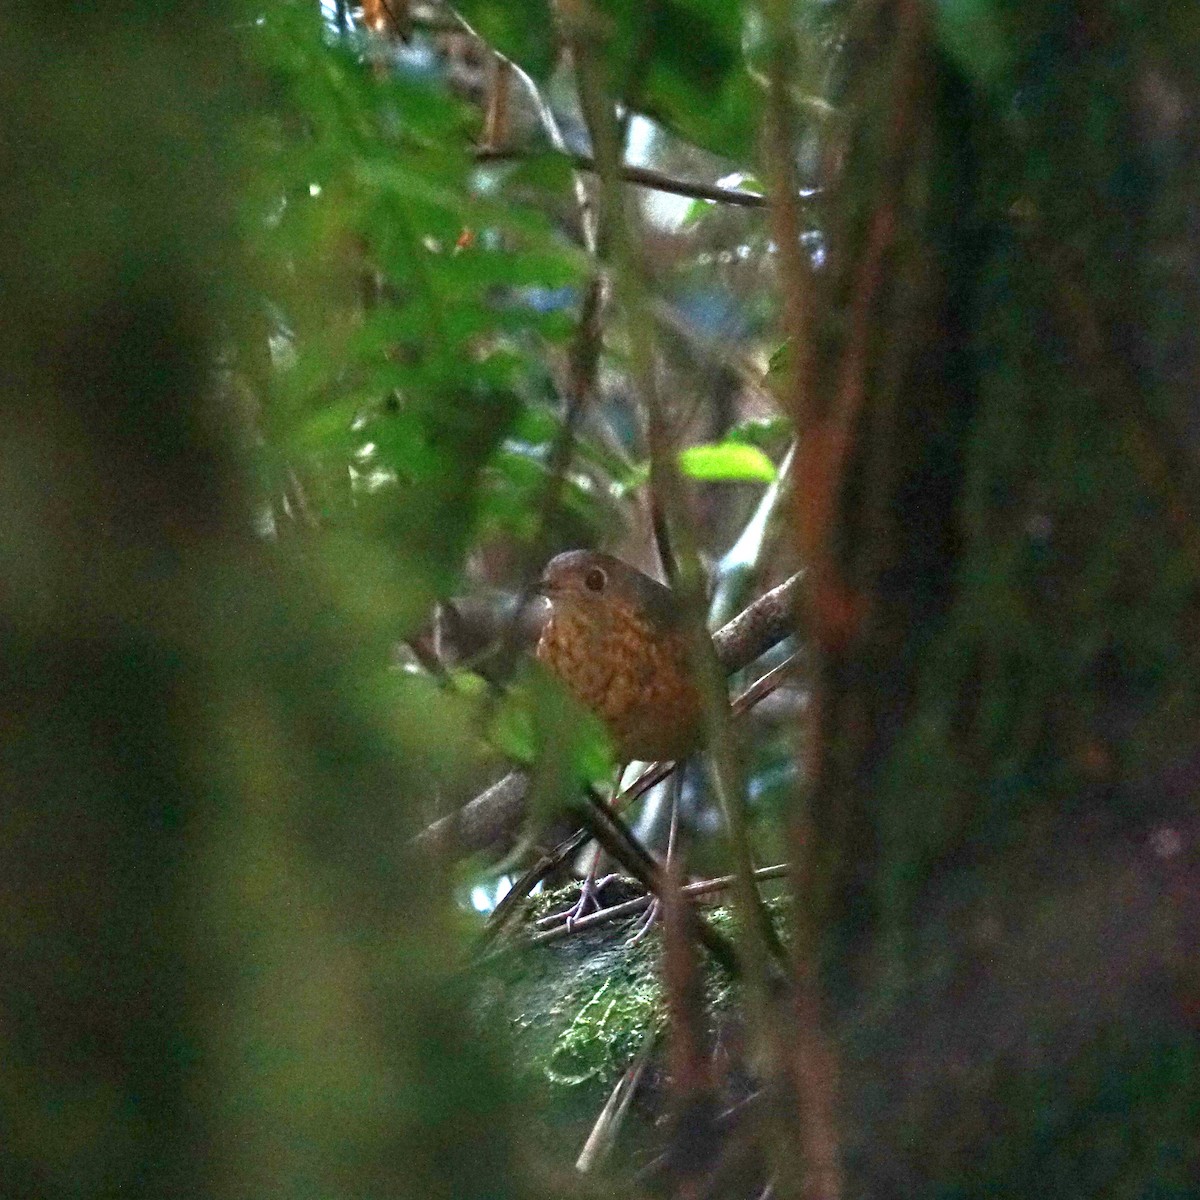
x=512, y=729
x=541, y=724
x=727, y=462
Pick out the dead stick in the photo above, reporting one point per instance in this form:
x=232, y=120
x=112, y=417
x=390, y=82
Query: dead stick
x=554, y=927
x=497, y=812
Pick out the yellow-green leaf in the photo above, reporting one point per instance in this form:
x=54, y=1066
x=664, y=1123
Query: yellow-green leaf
x=732, y=462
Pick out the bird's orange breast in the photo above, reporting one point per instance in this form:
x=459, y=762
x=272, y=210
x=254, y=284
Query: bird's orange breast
x=633, y=675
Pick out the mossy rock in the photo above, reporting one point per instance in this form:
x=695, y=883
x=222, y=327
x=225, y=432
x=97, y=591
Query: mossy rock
x=582, y=1009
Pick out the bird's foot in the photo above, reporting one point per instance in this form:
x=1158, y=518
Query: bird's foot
x=588, y=902
x=645, y=923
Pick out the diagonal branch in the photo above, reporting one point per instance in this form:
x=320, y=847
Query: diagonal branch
x=498, y=811
x=553, y=927
x=647, y=177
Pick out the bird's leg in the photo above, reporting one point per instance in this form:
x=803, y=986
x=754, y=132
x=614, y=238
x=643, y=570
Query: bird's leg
x=589, y=893
x=646, y=923
x=591, y=887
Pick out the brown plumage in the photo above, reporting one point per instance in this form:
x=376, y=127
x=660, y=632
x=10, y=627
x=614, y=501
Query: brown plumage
x=615, y=639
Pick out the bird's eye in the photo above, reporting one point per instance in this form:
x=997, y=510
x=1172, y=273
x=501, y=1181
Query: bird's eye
x=595, y=579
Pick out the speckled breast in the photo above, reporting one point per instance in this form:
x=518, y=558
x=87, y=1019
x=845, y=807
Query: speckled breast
x=633, y=677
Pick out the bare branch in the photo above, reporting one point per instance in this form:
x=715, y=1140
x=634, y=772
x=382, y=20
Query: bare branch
x=497, y=812
x=647, y=177
x=554, y=927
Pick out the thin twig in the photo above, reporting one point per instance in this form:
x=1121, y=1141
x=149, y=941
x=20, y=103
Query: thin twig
x=759, y=690
x=690, y=1075
x=764, y=685
x=608, y=1124
x=583, y=356
x=496, y=119
x=754, y=545
x=761, y=942
x=553, y=927
x=648, y=177
x=796, y=275
x=549, y=125
x=498, y=810
x=654, y=774
x=801, y=1055
x=615, y=837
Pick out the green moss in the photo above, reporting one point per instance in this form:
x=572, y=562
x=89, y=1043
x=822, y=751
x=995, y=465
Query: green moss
x=583, y=1006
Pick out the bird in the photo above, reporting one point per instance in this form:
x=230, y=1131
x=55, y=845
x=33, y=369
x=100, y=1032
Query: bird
x=616, y=640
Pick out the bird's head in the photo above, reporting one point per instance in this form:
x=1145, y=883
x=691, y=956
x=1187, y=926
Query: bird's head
x=587, y=581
